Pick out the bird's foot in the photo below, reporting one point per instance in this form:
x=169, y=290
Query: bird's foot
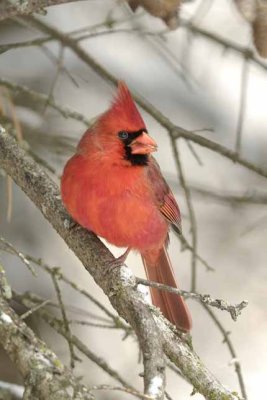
x=119, y=261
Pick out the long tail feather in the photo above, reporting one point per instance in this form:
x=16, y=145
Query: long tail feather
x=172, y=306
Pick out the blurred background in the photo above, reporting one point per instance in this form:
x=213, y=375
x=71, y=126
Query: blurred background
x=200, y=83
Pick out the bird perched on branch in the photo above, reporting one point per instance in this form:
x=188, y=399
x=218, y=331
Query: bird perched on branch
x=114, y=187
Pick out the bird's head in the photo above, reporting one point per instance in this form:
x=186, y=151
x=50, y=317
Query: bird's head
x=121, y=131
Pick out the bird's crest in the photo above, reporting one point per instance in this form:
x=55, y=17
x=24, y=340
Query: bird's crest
x=124, y=111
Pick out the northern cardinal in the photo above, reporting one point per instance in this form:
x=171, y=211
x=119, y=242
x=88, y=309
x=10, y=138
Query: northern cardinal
x=114, y=187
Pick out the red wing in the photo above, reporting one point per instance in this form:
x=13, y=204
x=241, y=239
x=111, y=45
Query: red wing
x=163, y=195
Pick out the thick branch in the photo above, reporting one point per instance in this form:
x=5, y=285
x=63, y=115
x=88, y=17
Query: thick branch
x=119, y=284
x=44, y=375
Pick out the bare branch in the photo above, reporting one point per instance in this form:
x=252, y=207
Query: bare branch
x=233, y=309
x=117, y=322
x=43, y=373
x=29, y=300
x=242, y=104
x=218, y=148
x=243, y=51
x=193, y=221
x=252, y=197
x=14, y=8
x=187, y=246
x=42, y=98
x=34, y=309
x=20, y=255
x=232, y=351
x=54, y=276
x=122, y=389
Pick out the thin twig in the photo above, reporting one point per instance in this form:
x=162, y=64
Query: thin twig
x=168, y=397
x=16, y=121
x=194, y=153
x=43, y=372
x=117, y=321
x=242, y=104
x=218, y=148
x=122, y=389
x=66, y=112
x=233, y=309
x=5, y=244
x=193, y=222
x=34, y=309
x=92, y=324
x=28, y=43
x=252, y=197
x=64, y=316
x=187, y=246
x=71, y=309
x=115, y=318
x=59, y=65
x=230, y=346
x=9, y=195
x=29, y=301
x=79, y=34
x=228, y=44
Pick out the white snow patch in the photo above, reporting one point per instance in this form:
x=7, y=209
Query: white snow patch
x=5, y=318
x=234, y=361
x=45, y=361
x=66, y=223
x=145, y=293
x=155, y=386
x=125, y=273
x=16, y=390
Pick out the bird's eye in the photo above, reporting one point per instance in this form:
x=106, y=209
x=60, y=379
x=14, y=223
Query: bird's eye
x=123, y=135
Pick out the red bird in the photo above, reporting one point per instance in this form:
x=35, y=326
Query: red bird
x=114, y=187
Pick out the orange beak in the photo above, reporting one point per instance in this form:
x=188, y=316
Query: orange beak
x=143, y=144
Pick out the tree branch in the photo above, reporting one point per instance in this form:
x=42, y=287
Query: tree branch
x=42, y=98
x=233, y=309
x=15, y=8
x=44, y=375
x=154, y=334
x=29, y=300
